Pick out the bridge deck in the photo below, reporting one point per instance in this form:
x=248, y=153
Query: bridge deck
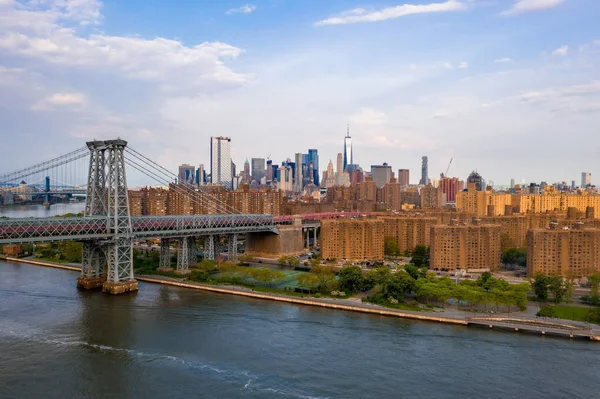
x=15, y=231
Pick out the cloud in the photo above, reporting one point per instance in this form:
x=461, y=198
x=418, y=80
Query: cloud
x=42, y=32
x=522, y=6
x=361, y=15
x=503, y=60
x=463, y=65
x=562, y=50
x=245, y=9
x=60, y=100
x=369, y=116
x=448, y=65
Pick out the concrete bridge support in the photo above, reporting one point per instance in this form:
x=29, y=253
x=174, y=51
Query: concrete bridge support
x=183, y=256
x=164, y=264
x=232, y=248
x=93, y=266
x=209, y=247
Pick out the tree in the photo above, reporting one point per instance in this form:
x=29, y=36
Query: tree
x=594, y=281
x=540, y=287
x=557, y=287
x=398, y=285
x=282, y=261
x=420, y=256
x=391, y=247
x=413, y=271
x=277, y=277
x=515, y=256
x=308, y=281
x=325, y=277
x=351, y=279
x=377, y=276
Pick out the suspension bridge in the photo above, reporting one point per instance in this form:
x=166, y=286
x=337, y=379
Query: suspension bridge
x=107, y=230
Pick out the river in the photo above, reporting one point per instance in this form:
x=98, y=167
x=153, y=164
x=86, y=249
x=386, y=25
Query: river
x=40, y=211
x=169, y=342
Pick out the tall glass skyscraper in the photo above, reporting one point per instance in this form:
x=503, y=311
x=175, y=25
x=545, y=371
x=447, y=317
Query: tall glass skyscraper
x=348, y=149
x=424, y=171
x=220, y=161
x=313, y=157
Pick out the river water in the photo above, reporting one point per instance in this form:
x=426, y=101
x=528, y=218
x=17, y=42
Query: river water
x=169, y=342
x=39, y=211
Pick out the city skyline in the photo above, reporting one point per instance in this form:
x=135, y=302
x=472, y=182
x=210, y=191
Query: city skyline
x=500, y=109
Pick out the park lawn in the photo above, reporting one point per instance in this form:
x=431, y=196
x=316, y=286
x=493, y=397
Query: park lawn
x=575, y=313
x=572, y=312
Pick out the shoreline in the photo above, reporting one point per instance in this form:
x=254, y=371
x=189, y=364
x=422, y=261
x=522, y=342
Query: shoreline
x=500, y=322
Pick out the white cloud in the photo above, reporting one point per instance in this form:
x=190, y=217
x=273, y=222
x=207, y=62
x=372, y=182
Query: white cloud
x=503, y=60
x=448, y=65
x=369, y=116
x=361, y=15
x=463, y=65
x=60, y=101
x=562, y=50
x=39, y=31
x=522, y=6
x=245, y=9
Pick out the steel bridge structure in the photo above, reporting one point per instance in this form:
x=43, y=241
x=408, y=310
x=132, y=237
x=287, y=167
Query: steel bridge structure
x=107, y=230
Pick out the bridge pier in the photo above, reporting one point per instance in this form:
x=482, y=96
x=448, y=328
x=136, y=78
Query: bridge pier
x=183, y=255
x=164, y=263
x=232, y=248
x=209, y=247
x=93, y=261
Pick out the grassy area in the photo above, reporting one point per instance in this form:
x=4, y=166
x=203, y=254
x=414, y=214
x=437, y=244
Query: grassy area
x=567, y=312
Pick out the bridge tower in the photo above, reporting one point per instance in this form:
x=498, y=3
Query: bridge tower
x=108, y=263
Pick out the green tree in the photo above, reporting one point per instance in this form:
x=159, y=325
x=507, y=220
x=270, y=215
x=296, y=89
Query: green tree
x=515, y=256
x=351, y=279
x=594, y=281
x=377, y=277
x=413, y=271
x=557, y=287
x=277, y=277
x=398, y=285
x=308, y=281
x=420, y=256
x=540, y=287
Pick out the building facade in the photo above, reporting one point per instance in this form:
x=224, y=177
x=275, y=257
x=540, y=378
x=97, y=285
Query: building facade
x=221, y=166
x=352, y=240
x=457, y=246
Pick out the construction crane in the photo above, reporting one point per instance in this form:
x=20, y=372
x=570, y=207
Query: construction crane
x=448, y=168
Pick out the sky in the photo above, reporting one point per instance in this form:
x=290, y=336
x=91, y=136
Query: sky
x=510, y=88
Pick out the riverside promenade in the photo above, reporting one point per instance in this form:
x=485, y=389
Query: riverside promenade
x=514, y=322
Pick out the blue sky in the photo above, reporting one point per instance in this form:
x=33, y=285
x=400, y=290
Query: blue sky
x=508, y=87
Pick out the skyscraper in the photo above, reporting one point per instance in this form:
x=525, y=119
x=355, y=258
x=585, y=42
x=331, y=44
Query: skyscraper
x=403, y=177
x=220, y=161
x=424, y=171
x=348, y=149
x=187, y=174
x=340, y=163
x=512, y=183
x=381, y=174
x=298, y=176
x=269, y=173
x=258, y=169
x=313, y=157
x=586, y=179
x=200, y=175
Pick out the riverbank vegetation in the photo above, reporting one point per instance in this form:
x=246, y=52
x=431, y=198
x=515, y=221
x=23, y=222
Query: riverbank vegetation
x=576, y=313
x=61, y=252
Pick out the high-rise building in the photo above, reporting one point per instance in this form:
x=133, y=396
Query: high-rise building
x=424, y=171
x=258, y=169
x=313, y=158
x=187, y=174
x=476, y=178
x=465, y=247
x=353, y=240
x=403, y=177
x=298, y=174
x=200, y=175
x=221, y=166
x=348, y=149
x=269, y=172
x=586, y=179
x=449, y=187
x=381, y=174
x=512, y=183
x=340, y=163
x=286, y=178
x=564, y=252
